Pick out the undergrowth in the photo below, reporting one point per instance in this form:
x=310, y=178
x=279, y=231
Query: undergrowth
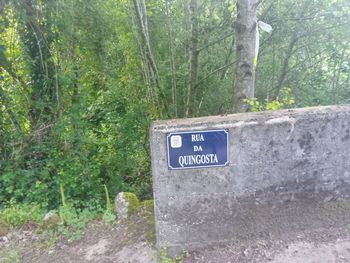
x=69, y=219
x=20, y=214
x=164, y=258
x=8, y=255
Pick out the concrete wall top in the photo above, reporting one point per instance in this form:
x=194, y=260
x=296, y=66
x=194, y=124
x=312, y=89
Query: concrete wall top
x=232, y=119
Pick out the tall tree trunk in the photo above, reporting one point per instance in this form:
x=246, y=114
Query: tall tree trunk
x=193, y=76
x=37, y=37
x=140, y=8
x=172, y=54
x=245, y=48
x=142, y=18
x=145, y=65
x=289, y=52
x=284, y=71
x=75, y=98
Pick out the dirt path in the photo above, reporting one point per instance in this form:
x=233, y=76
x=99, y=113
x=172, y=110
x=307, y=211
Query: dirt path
x=304, y=252
x=317, y=246
x=132, y=241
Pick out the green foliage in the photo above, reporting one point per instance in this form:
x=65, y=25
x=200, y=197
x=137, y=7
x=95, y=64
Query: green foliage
x=285, y=101
x=109, y=214
x=21, y=214
x=9, y=255
x=74, y=221
x=164, y=258
x=27, y=185
x=108, y=201
x=50, y=235
x=63, y=196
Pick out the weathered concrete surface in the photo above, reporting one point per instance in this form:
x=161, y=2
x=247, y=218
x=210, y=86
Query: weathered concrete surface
x=289, y=170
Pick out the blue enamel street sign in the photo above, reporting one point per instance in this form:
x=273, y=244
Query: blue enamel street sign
x=197, y=149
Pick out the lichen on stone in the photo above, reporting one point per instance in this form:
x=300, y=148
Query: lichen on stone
x=133, y=201
x=51, y=220
x=126, y=204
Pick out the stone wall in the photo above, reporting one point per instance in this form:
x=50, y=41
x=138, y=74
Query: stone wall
x=288, y=170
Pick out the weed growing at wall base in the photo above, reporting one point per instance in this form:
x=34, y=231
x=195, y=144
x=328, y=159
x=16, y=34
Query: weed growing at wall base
x=164, y=258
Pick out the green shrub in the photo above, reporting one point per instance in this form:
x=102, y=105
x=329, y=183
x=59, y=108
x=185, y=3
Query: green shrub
x=9, y=255
x=109, y=215
x=74, y=221
x=164, y=258
x=286, y=100
x=21, y=214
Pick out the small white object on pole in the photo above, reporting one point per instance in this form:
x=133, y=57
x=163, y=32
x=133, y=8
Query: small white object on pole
x=264, y=27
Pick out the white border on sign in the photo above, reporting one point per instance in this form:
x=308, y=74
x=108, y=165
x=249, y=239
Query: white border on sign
x=204, y=166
